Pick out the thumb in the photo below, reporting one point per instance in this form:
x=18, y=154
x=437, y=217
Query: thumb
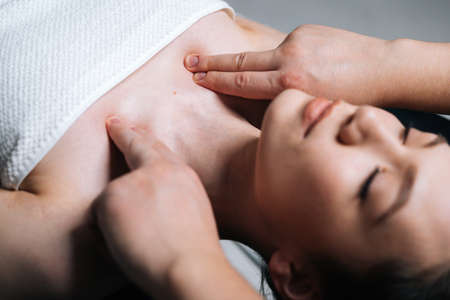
x=129, y=140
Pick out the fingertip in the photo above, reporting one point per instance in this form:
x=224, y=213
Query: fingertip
x=114, y=129
x=192, y=61
x=122, y=134
x=118, y=128
x=113, y=121
x=199, y=76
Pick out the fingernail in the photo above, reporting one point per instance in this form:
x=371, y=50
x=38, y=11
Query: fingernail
x=193, y=60
x=113, y=120
x=199, y=76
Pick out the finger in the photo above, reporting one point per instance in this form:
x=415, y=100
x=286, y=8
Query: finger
x=244, y=61
x=250, y=85
x=139, y=146
x=129, y=139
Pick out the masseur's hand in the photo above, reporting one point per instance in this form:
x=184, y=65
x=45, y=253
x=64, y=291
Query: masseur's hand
x=158, y=216
x=319, y=60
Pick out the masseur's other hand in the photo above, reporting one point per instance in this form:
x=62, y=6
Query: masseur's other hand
x=319, y=60
x=156, y=216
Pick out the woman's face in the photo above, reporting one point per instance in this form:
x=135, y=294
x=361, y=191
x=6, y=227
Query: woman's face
x=355, y=187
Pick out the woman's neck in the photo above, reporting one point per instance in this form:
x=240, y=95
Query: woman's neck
x=221, y=147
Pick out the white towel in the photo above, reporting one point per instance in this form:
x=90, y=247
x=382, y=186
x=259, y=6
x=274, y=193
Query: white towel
x=57, y=57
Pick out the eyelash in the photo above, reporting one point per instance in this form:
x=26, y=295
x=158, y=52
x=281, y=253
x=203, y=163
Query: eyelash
x=365, y=188
x=406, y=133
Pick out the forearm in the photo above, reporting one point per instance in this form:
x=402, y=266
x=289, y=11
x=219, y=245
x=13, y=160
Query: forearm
x=418, y=76
x=209, y=278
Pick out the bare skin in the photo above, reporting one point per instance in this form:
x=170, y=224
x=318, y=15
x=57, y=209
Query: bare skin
x=391, y=191
x=161, y=205
x=297, y=200
x=336, y=64
x=53, y=239
x=405, y=207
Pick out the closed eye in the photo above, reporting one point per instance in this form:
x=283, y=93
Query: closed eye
x=406, y=133
x=364, y=191
x=440, y=139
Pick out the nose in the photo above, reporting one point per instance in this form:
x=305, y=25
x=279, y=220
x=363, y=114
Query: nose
x=365, y=126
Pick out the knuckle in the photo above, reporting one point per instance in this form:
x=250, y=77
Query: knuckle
x=240, y=60
x=275, y=86
x=181, y=170
x=117, y=187
x=242, y=80
x=209, y=79
x=115, y=199
x=188, y=171
x=111, y=204
x=161, y=148
x=182, y=173
x=205, y=62
x=139, y=179
x=161, y=169
x=303, y=28
x=290, y=79
x=128, y=184
x=290, y=51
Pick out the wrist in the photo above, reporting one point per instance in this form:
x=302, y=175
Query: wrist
x=375, y=83
x=194, y=271
x=416, y=75
x=396, y=72
x=202, y=275
x=186, y=264
x=391, y=72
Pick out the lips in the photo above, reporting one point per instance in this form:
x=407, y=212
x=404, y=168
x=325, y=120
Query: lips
x=314, y=112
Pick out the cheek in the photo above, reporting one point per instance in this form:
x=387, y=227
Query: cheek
x=310, y=196
x=321, y=204
x=327, y=178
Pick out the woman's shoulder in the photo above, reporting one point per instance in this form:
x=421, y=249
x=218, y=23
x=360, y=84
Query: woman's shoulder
x=265, y=37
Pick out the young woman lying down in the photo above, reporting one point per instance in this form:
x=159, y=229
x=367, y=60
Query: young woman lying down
x=69, y=65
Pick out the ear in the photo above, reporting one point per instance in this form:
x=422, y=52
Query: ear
x=293, y=279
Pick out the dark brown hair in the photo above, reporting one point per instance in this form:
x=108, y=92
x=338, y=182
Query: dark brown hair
x=388, y=281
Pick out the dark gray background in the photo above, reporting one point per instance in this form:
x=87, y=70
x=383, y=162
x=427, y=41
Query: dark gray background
x=427, y=20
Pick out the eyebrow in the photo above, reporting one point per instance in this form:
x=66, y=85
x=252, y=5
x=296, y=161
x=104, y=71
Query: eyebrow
x=403, y=195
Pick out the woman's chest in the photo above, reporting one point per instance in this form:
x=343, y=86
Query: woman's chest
x=158, y=95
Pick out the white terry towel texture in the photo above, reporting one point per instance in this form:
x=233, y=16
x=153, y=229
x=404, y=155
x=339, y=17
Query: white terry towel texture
x=57, y=57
